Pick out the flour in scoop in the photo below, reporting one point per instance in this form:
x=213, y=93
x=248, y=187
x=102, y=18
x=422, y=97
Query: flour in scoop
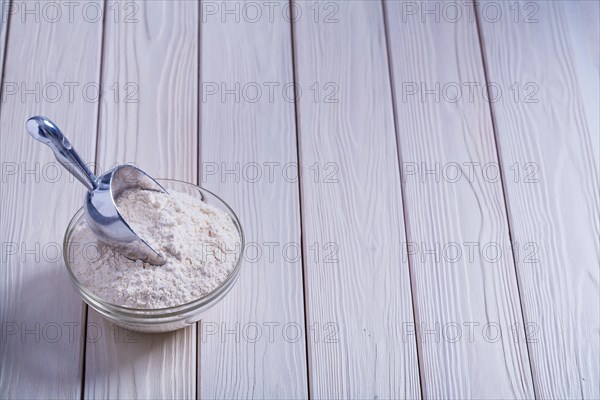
x=200, y=243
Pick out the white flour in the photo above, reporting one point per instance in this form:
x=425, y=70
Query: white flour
x=200, y=244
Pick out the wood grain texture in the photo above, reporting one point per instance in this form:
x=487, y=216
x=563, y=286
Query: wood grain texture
x=41, y=347
x=252, y=344
x=455, y=213
x=555, y=205
x=150, y=85
x=153, y=123
x=366, y=295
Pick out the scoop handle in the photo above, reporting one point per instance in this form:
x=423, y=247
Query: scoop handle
x=45, y=131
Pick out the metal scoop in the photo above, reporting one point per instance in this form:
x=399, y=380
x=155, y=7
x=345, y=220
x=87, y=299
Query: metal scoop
x=101, y=211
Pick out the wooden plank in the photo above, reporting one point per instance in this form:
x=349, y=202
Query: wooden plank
x=252, y=344
x=150, y=61
x=41, y=348
x=347, y=132
x=4, y=16
x=455, y=209
x=550, y=136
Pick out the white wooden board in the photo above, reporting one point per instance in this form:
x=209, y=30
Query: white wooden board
x=551, y=136
x=252, y=345
x=148, y=116
x=353, y=211
x=42, y=326
x=3, y=28
x=471, y=337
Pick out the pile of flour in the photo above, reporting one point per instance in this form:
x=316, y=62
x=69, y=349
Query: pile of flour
x=199, y=242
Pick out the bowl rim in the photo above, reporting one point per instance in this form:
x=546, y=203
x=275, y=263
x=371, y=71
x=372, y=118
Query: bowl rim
x=152, y=313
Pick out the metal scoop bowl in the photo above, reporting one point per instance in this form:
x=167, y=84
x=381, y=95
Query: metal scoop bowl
x=101, y=211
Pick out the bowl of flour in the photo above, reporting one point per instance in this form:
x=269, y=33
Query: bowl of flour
x=200, y=238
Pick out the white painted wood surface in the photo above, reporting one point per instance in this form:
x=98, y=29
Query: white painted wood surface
x=180, y=82
x=41, y=316
x=148, y=116
x=248, y=344
x=456, y=212
x=553, y=204
x=353, y=211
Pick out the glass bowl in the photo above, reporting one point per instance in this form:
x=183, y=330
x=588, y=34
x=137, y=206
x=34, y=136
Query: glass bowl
x=160, y=319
